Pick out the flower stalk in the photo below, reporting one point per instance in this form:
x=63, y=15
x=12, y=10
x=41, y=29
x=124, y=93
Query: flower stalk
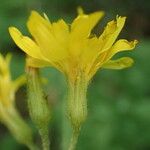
x=38, y=107
x=44, y=132
x=74, y=139
x=17, y=126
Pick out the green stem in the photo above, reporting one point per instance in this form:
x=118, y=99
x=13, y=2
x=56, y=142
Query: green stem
x=66, y=129
x=45, y=138
x=18, y=127
x=74, y=140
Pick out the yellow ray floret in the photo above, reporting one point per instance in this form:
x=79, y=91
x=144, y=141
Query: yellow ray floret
x=71, y=48
x=120, y=63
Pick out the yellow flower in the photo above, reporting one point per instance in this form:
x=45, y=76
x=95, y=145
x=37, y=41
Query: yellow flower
x=8, y=87
x=9, y=115
x=73, y=49
x=76, y=52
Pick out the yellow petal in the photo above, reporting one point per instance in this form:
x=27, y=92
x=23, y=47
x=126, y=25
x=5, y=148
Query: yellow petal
x=111, y=32
x=37, y=63
x=19, y=82
x=90, y=51
x=81, y=30
x=8, y=58
x=80, y=10
x=2, y=61
x=120, y=63
x=25, y=43
x=4, y=64
x=83, y=24
x=40, y=29
x=61, y=32
x=50, y=37
x=46, y=17
x=121, y=45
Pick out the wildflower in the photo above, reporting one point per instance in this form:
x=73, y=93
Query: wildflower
x=9, y=115
x=76, y=52
x=73, y=49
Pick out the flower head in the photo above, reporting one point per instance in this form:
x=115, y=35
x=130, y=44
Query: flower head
x=8, y=87
x=73, y=49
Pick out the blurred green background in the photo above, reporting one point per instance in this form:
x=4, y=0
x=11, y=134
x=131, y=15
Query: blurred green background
x=118, y=101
